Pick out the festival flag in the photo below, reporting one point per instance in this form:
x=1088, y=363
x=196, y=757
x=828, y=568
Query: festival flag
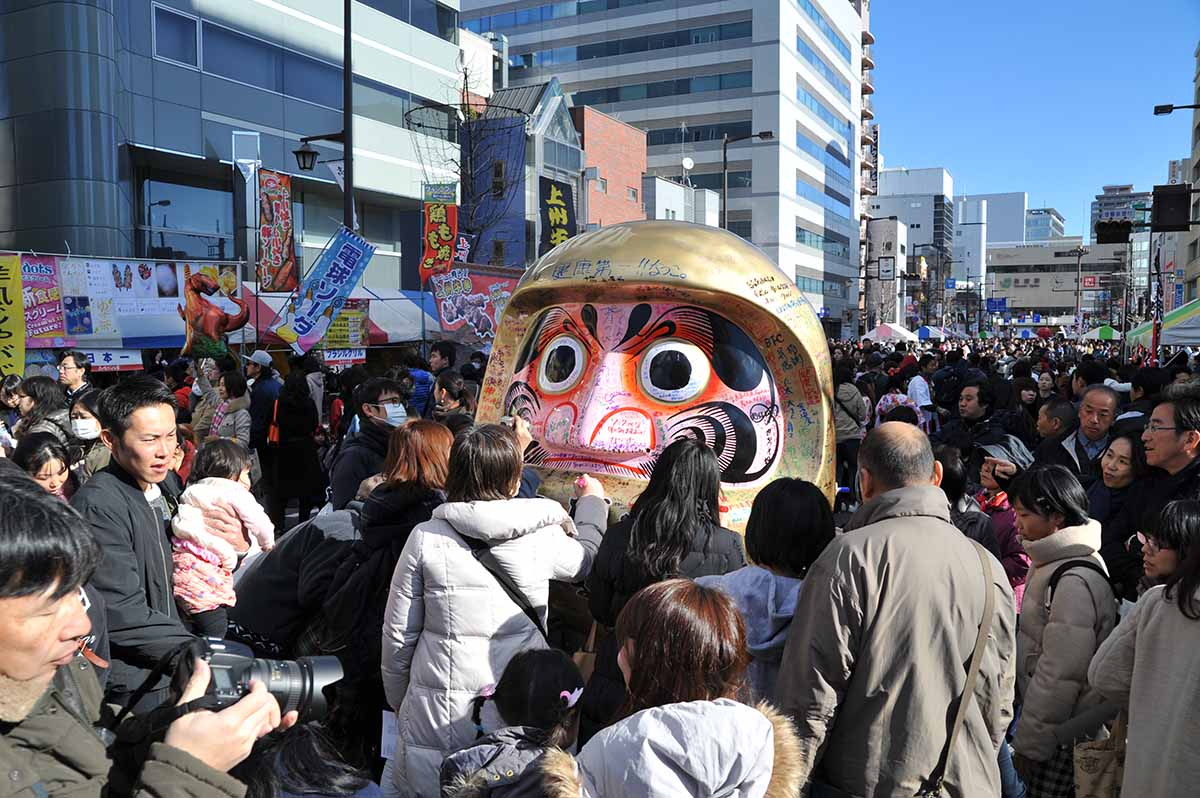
x=440, y=237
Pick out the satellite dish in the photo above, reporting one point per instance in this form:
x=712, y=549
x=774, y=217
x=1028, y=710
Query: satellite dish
x=689, y=164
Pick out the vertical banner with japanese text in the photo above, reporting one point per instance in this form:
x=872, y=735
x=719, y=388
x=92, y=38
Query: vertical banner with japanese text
x=12, y=319
x=311, y=311
x=557, y=209
x=440, y=237
x=41, y=296
x=276, y=248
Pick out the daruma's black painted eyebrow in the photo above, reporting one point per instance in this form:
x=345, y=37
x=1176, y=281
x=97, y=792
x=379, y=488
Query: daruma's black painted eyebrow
x=685, y=322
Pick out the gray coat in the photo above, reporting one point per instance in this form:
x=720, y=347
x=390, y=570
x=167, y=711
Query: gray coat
x=718, y=749
x=503, y=764
x=887, y=619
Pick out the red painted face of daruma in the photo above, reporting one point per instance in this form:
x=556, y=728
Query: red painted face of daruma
x=606, y=388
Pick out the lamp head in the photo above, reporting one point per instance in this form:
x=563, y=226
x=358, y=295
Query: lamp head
x=306, y=157
x=1163, y=110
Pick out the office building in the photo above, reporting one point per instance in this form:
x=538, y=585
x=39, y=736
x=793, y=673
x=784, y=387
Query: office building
x=618, y=151
x=117, y=125
x=692, y=75
x=972, y=224
x=1041, y=278
x=1005, y=215
x=921, y=199
x=885, y=297
x=1190, y=256
x=1044, y=224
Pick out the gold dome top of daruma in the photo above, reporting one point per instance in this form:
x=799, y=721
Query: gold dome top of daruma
x=622, y=340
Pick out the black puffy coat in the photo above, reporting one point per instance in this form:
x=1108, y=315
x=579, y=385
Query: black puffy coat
x=355, y=603
x=612, y=582
x=361, y=456
x=297, y=468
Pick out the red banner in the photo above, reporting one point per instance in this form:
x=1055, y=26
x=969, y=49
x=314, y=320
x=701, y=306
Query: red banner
x=470, y=303
x=441, y=236
x=276, y=248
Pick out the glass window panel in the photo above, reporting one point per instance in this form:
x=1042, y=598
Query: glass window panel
x=635, y=92
x=239, y=57
x=174, y=36
x=397, y=9
x=736, y=80
x=503, y=21
x=662, y=89
x=705, y=83
x=736, y=30
x=590, y=6
x=187, y=207
x=705, y=35
x=385, y=104
x=183, y=246
x=661, y=41
x=447, y=24
x=528, y=16
x=637, y=44
x=586, y=52
x=312, y=80
x=560, y=10
x=424, y=16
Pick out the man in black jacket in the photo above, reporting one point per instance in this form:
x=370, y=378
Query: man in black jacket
x=1172, y=440
x=1079, y=449
x=362, y=453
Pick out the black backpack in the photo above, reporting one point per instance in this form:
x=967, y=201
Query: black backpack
x=1090, y=565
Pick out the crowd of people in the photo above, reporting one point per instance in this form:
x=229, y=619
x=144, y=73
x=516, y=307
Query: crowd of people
x=1010, y=568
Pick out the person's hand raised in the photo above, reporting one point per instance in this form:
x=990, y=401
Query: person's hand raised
x=523, y=432
x=587, y=485
x=223, y=739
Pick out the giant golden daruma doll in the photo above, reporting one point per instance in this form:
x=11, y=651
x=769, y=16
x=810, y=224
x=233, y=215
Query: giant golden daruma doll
x=623, y=340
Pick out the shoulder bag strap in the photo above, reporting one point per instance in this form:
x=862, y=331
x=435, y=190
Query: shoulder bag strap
x=934, y=785
x=846, y=410
x=483, y=553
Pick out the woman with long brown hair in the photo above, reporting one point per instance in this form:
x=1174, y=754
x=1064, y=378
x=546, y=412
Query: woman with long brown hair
x=683, y=656
x=414, y=481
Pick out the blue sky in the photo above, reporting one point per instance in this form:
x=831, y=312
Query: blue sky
x=1051, y=98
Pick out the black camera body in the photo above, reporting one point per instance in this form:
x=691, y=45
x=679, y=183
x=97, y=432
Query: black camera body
x=304, y=684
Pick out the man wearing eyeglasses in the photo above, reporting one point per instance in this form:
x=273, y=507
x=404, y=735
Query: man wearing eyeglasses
x=363, y=452
x=73, y=370
x=1172, y=439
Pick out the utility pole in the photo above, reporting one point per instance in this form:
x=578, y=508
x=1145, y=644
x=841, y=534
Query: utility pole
x=1078, y=252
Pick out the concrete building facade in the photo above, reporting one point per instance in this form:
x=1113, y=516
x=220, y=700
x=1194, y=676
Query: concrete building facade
x=1044, y=224
x=692, y=74
x=1190, y=256
x=1041, y=278
x=672, y=200
x=117, y=119
x=1005, y=215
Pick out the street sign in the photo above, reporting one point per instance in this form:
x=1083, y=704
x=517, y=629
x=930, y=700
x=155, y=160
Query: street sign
x=887, y=268
x=1037, y=318
x=949, y=283
x=1089, y=281
x=997, y=305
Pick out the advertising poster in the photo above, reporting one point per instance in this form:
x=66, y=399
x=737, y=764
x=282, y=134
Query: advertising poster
x=557, y=209
x=12, y=320
x=311, y=311
x=440, y=193
x=276, y=249
x=41, y=297
x=350, y=329
x=470, y=303
x=463, y=247
x=440, y=236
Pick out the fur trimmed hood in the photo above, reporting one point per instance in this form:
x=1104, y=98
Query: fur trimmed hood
x=717, y=748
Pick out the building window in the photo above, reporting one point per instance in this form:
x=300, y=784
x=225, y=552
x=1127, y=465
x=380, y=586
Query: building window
x=712, y=180
x=242, y=58
x=497, y=253
x=915, y=226
x=497, y=179
x=631, y=194
x=667, y=88
x=175, y=36
x=425, y=15
x=602, y=185
x=740, y=227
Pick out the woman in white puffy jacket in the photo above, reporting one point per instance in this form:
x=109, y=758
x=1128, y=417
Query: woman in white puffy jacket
x=450, y=628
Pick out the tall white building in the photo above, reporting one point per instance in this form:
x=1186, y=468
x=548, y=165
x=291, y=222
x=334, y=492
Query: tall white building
x=1005, y=215
x=1044, y=224
x=692, y=74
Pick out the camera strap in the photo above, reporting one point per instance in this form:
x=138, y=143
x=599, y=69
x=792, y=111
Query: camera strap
x=165, y=663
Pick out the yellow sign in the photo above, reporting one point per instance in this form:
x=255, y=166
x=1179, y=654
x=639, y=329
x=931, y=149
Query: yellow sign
x=12, y=317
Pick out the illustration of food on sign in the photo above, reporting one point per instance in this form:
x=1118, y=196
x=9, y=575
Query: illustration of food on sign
x=622, y=340
x=206, y=324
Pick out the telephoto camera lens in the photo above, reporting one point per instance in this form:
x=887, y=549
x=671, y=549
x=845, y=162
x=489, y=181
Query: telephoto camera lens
x=302, y=684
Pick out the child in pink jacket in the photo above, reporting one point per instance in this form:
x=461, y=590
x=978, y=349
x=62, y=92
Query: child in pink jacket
x=994, y=501
x=205, y=557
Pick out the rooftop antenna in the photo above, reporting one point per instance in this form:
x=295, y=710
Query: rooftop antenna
x=683, y=151
x=688, y=166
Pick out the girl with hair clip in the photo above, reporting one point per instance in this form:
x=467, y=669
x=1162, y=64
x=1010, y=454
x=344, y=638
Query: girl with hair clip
x=682, y=733
x=1067, y=611
x=452, y=395
x=536, y=701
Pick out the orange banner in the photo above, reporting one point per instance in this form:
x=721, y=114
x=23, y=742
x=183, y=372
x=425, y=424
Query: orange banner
x=441, y=235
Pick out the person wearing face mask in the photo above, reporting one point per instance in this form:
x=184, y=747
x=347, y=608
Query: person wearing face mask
x=1122, y=464
x=89, y=454
x=381, y=402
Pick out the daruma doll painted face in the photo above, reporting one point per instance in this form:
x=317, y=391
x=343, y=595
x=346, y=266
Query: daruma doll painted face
x=623, y=340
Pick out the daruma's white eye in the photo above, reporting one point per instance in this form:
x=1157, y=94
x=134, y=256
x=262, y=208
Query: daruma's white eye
x=674, y=371
x=562, y=365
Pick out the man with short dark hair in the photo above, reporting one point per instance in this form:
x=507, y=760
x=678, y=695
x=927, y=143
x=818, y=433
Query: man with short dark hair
x=441, y=357
x=1055, y=418
x=1146, y=385
x=129, y=505
x=362, y=454
x=875, y=657
x=1087, y=374
x=1080, y=448
x=73, y=371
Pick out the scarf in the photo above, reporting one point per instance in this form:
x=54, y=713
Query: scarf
x=218, y=417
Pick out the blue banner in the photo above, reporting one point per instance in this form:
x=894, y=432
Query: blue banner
x=950, y=283
x=324, y=291
x=997, y=305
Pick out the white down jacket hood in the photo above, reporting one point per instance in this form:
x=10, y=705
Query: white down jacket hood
x=450, y=629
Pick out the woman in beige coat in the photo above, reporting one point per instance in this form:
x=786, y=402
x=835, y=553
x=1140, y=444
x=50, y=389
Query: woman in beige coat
x=1068, y=609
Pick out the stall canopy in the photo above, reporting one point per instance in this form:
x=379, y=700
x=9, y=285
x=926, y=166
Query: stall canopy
x=1180, y=327
x=1102, y=333
x=890, y=332
x=393, y=316
x=927, y=333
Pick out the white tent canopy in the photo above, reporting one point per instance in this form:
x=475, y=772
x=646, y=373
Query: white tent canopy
x=890, y=332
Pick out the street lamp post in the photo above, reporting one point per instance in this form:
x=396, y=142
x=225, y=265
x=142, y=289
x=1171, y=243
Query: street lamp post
x=1078, y=252
x=765, y=135
x=1163, y=110
x=306, y=155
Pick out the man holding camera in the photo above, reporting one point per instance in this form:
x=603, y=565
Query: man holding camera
x=51, y=708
